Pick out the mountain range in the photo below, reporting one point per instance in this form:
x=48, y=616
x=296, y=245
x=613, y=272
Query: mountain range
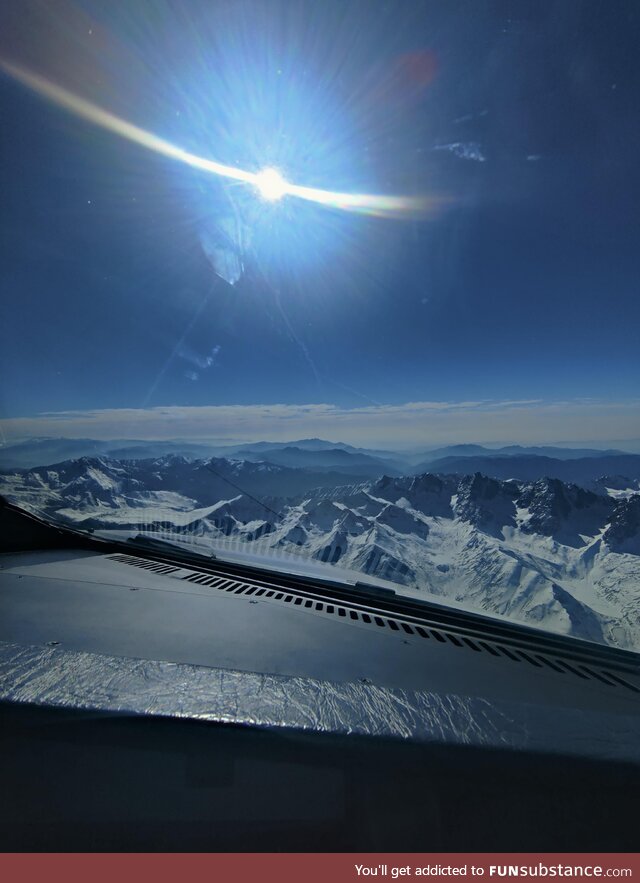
x=583, y=471
x=542, y=551
x=580, y=465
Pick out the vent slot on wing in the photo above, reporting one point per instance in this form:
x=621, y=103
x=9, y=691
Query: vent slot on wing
x=459, y=639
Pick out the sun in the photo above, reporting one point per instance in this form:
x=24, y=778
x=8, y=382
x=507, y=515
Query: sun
x=271, y=185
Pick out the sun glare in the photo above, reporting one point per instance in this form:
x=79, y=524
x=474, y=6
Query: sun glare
x=271, y=185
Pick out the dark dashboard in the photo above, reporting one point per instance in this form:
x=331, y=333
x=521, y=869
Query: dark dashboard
x=156, y=704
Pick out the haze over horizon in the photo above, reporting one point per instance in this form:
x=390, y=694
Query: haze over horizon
x=417, y=425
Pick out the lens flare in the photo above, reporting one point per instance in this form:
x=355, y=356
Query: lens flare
x=268, y=182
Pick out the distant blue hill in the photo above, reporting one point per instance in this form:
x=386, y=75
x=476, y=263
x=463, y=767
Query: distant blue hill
x=330, y=459
x=513, y=451
x=582, y=471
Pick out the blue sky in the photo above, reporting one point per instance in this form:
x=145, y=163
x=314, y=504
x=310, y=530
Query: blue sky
x=519, y=118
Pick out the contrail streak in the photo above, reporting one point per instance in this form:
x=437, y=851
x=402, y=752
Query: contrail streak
x=390, y=206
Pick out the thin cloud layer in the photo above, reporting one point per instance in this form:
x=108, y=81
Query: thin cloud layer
x=400, y=426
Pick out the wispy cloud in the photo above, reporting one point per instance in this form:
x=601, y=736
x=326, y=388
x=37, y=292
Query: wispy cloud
x=200, y=361
x=400, y=425
x=464, y=149
x=469, y=117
